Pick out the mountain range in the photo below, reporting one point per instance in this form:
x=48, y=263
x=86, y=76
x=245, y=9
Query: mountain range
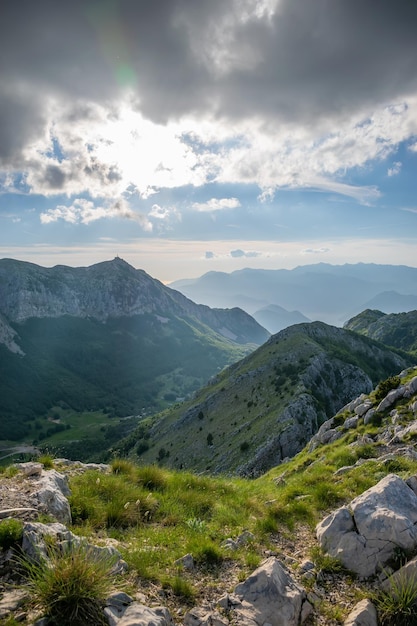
x=104, y=360
x=320, y=292
x=105, y=338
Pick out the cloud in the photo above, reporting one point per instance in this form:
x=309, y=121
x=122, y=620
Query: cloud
x=315, y=250
x=97, y=98
x=216, y=204
x=395, y=169
x=83, y=211
x=312, y=62
x=241, y=253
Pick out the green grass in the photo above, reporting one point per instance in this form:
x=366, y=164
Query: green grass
x=11, y=532
x=70, y=587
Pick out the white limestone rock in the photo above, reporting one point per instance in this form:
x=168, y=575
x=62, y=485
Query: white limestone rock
x=365, y=535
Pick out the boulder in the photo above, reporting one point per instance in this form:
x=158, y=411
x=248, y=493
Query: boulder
x=364, y=614
x=363, y=408
x=391, y=397
x=365, y=536
x=270, y=596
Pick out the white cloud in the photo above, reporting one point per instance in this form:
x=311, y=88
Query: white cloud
x=83, y=211
x=216, y=204
x=395, y=169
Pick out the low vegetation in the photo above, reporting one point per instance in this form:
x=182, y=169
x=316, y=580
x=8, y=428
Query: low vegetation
x=70, y=587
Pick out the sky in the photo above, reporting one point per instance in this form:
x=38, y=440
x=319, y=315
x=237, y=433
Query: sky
x=194, y=135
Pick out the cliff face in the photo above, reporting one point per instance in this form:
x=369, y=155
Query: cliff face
x=109, y=289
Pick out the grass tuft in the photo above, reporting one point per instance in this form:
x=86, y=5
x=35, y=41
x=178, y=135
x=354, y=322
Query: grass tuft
x=70, y=587
x=397, y=606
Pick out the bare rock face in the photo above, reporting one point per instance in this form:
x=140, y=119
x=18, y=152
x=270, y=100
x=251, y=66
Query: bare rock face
x=365, y=535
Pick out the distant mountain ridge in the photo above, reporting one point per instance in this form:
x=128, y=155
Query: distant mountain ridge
x=324, y=292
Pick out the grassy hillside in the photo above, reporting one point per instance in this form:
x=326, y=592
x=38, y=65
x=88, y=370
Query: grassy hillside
x=267, y=406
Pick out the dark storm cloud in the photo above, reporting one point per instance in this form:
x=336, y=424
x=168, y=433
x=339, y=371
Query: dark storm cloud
x=311, y=59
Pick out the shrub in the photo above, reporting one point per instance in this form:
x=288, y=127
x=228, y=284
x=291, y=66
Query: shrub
x=385, y=386
x=11, y=531
x=70, y=587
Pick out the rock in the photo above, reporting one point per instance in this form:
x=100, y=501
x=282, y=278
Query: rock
x=11, y=601
x=306, y=566
x=411, y=388
x=367, y=418
x=271, y=596
x=116, y=605
x=364, y=536
x=30, y=469
x=363, y=408
x=229, y=544
x=140, y=615
x=407, y=573
x=52, y=495
x=391, y=397
x=245, y=538
x=204, y=617
x=34, y=545
x=350, y=423
x=186, y=561
x=364, y=614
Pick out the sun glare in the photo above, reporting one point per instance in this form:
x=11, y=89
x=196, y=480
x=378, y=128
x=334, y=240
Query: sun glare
x=149, y=156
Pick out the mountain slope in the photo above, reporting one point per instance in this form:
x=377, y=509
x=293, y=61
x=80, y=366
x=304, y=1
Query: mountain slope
x=267, y=406
x=330, y=293
x=396, y=329
x=106, y=337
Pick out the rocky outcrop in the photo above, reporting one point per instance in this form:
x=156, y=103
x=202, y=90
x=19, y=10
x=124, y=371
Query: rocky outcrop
x=366, y=535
